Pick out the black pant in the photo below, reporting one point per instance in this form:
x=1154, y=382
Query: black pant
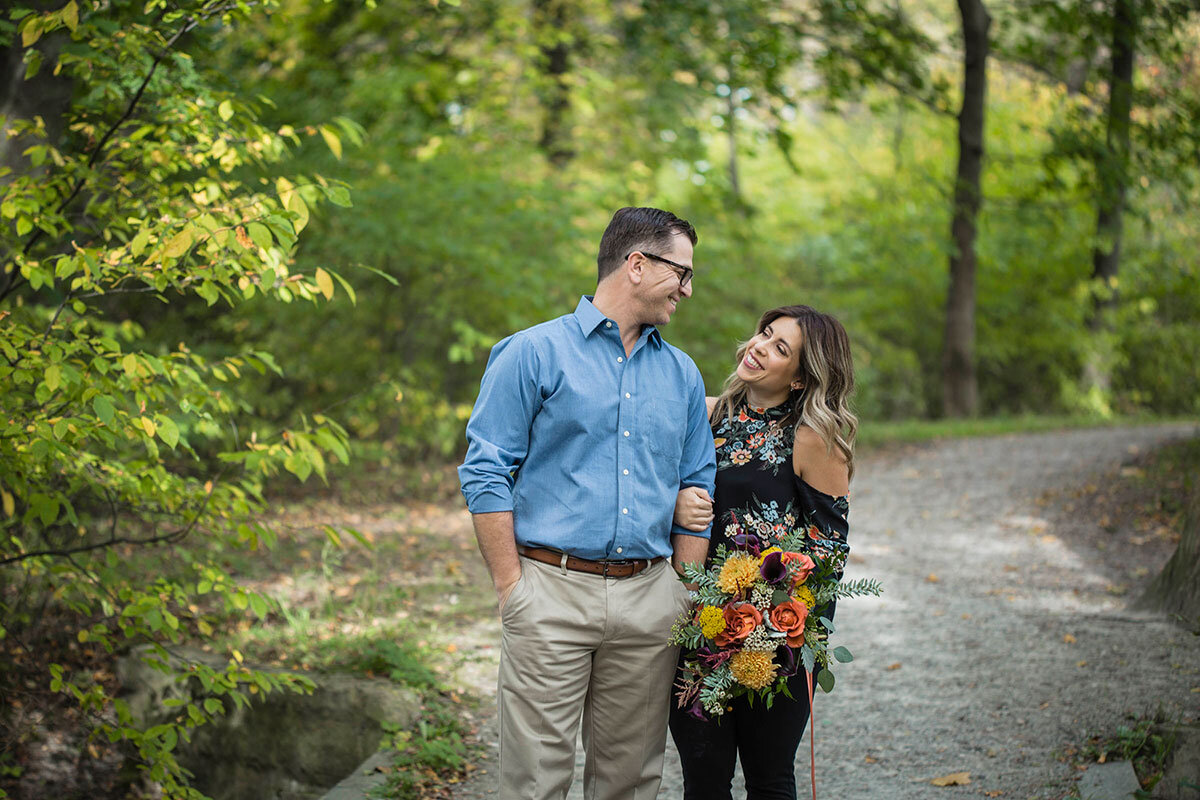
x=765, y=739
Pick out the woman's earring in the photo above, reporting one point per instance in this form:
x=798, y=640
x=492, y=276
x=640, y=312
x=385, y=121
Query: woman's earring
x=797, y=386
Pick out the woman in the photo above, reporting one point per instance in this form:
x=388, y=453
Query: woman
x=785, y=453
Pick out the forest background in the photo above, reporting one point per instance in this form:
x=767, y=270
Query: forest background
x=248, y=239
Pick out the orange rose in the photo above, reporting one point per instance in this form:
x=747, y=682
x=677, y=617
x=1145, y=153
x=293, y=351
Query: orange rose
x=789, y=617
x=740, y=621
x=803, y=566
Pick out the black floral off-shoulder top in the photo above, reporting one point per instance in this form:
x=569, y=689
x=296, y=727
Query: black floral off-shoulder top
x=756, y=483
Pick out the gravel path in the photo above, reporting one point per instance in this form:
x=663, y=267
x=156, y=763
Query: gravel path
x=995, y=644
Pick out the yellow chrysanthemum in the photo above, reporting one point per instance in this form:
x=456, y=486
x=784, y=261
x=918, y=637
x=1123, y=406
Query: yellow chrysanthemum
x=712, y=621
x=768, y=552
x=737, y=573
x=753, y=668
x=805, y=595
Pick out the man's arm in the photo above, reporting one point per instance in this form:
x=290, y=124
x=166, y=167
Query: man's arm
x=687, y=550
x=498, y=441
x=498, y=545
x=698, y=467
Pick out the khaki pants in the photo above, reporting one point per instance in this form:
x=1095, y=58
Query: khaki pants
x=576, y=644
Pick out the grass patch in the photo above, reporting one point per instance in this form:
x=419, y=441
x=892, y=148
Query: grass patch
x=1146, y=742
x=874, y=435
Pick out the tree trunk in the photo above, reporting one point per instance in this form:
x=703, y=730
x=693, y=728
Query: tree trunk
x=1113, y=178
x=960, y=391
x=550, y=23
x=1176, y=590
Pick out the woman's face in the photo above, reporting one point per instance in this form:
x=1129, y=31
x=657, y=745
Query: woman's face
x=772, y=357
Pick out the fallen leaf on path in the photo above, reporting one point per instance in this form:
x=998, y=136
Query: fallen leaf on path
x=1081, y=664
x=994, y=793
x=1068, y=638
x=892, y=667
x=932, y=578
x=1103, y=757
x=953, y=779
x=870, y=760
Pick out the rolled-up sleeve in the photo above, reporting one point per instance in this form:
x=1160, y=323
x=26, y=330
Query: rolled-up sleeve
x=698, y=466
x=498, y=430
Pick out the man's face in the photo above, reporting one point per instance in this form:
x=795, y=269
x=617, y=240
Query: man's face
x=659, y=291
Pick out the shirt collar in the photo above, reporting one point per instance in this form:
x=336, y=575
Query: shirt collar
x=590, y=318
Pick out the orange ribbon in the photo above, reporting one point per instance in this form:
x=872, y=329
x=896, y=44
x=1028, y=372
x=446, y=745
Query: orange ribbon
x=812, y=733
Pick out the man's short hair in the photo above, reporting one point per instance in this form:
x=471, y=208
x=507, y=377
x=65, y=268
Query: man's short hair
x=635, y=229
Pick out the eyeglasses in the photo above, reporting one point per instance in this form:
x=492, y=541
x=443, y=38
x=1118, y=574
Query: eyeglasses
x=685, y=276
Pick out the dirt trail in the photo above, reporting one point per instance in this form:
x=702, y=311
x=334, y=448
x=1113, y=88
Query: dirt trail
x=995, y=645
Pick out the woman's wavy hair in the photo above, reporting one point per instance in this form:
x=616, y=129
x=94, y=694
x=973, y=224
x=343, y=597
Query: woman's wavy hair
x=827, y=372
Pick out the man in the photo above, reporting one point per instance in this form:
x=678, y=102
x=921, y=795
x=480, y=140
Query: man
x=585, y=430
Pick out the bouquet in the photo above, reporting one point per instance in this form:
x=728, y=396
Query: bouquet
x=758, y=619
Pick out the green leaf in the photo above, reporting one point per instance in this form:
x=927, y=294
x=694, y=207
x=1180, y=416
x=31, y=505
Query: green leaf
x=225, y=110
x=53, y=377
x=260, y=235
x=103, y=408
x=168, y=431
x=825, y=681
x=139, y=242
x=259, y=606
x=339, y=196
x=333, y=535
x=843, y=655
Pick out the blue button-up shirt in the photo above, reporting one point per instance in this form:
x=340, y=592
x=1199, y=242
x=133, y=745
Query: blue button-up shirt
x=587, y=447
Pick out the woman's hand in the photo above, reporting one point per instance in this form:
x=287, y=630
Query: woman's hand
x=693, y=508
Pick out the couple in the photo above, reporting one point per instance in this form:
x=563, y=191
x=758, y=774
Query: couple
x=593, y=459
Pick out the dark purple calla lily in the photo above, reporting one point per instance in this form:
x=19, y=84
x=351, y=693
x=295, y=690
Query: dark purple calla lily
x=749, y=542
x=773, y=570
x=789, y=665
x=696, y=711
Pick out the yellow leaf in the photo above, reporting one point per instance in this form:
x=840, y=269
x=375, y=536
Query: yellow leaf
x=324, y=283
x=331, y=139
x=296, y=203
x=225, y=110
x=10, y=505
x=237, y=656
x=204, y=627
x=148, y=426
x=953, y=779
x=179, y=244
x=32, y=32
x=130, y=363
x=70, y=16
x=1068, y=638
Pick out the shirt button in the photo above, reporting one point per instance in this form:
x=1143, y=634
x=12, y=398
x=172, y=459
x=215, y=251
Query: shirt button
x=620, y=550
x=627, y=395
x=608, y=324
x=623, y=511
x=626, y=434
x=625, y=471
x=620, y=359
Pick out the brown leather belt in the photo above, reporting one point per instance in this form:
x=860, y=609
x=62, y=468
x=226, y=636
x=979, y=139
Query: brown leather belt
x=609, y=569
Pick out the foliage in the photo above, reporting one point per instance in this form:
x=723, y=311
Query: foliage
x=113, y=441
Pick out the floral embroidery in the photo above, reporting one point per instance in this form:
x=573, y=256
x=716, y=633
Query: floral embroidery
x=754, y=435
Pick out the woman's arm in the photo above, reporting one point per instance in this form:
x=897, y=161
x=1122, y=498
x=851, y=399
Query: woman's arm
x=821, y=468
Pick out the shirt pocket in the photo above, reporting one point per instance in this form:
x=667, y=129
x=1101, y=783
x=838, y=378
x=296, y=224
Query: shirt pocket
x=666, y=424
